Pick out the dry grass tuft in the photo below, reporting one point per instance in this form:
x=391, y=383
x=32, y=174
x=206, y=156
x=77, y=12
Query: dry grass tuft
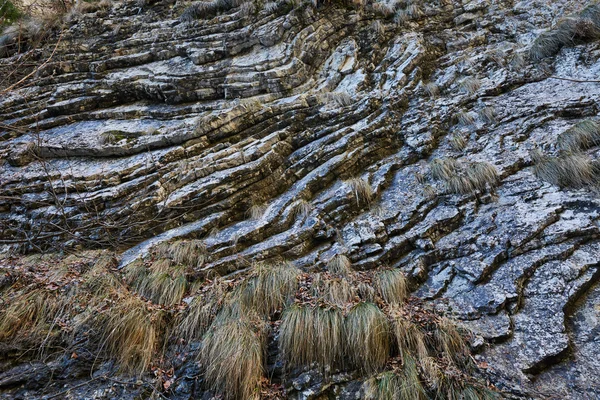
x=310, y=335
x=469, y=85
x=163, y=282
x=189, y=253
x=432, y=90
x=450, y=342
x=201, y=312
x=488, y=115
x=339, y=264
x=458, y=142
x=368, y=333
x=465, y=118
x=301, y=208
x=391, y=285
x=208, y=9
x=567, y=32
x=269, y=288
x=337, y=291
x=397, y=385
x=131, y=333
x=30, y=315
x=256, y=211
x=568, y=170
x=464, y=178
x=410, y=339
x=232, y=355
x=581, y=136
x=361, y=189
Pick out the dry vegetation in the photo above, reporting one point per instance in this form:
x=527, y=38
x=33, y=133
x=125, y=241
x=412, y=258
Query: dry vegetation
x=568, y=31
x=464, y=177
x=332, y=320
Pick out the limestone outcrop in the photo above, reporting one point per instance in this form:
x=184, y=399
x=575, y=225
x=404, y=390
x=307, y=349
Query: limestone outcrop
x=440, y=137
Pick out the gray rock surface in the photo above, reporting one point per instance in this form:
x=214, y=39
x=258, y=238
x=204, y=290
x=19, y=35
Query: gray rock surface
x=142, y=128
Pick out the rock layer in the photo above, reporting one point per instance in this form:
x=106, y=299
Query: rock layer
x=142, y=127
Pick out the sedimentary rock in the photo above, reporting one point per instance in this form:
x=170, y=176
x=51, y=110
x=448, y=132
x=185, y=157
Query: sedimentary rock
x=144, y=126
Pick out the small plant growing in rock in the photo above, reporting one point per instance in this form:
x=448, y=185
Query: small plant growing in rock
x=339, y=264
x=432, y=90
x=256, y=210
x=569, y=170
x=488, y=115
x=232, y=356
x=469, y=85
x=369, y=339
x=301, y=208
x=581, y=136
x=465, y=118
x=458, y=142
x=361, y=189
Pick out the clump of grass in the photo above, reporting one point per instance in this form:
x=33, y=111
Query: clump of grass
x=100, y=281
x=378, y=27
x=465, y=118
x=208, y=9
x=401, y=17
x=337, y=291
x=269, y=288
x=368, y=334
x=361, y=189
x=131, y=333
x=443, y=168
x=201, y=312
x=366, y=292
x=310, y=335
x=301, y=208
x=384, y=9
x=450, y=342
x=411, y=386
x=256, y=210
x=339, y=264
x=488, y=115
x=413, y=10
x=567, y=170
x=470, y=85
x=29, y=315
x=410, y=339
x=565, y=33
x=232, y=356
x=189, y=253
x=458, y=142
x=464, y=178
x=391, y=285
x=271, y=7
x=581, y=136
x=163, y=282
x=432, y=90
x=403, y=385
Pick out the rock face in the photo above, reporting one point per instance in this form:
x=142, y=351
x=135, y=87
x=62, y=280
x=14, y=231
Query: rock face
x=144, y=126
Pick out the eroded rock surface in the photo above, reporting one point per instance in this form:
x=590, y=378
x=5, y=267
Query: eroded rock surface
x=142, y=127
